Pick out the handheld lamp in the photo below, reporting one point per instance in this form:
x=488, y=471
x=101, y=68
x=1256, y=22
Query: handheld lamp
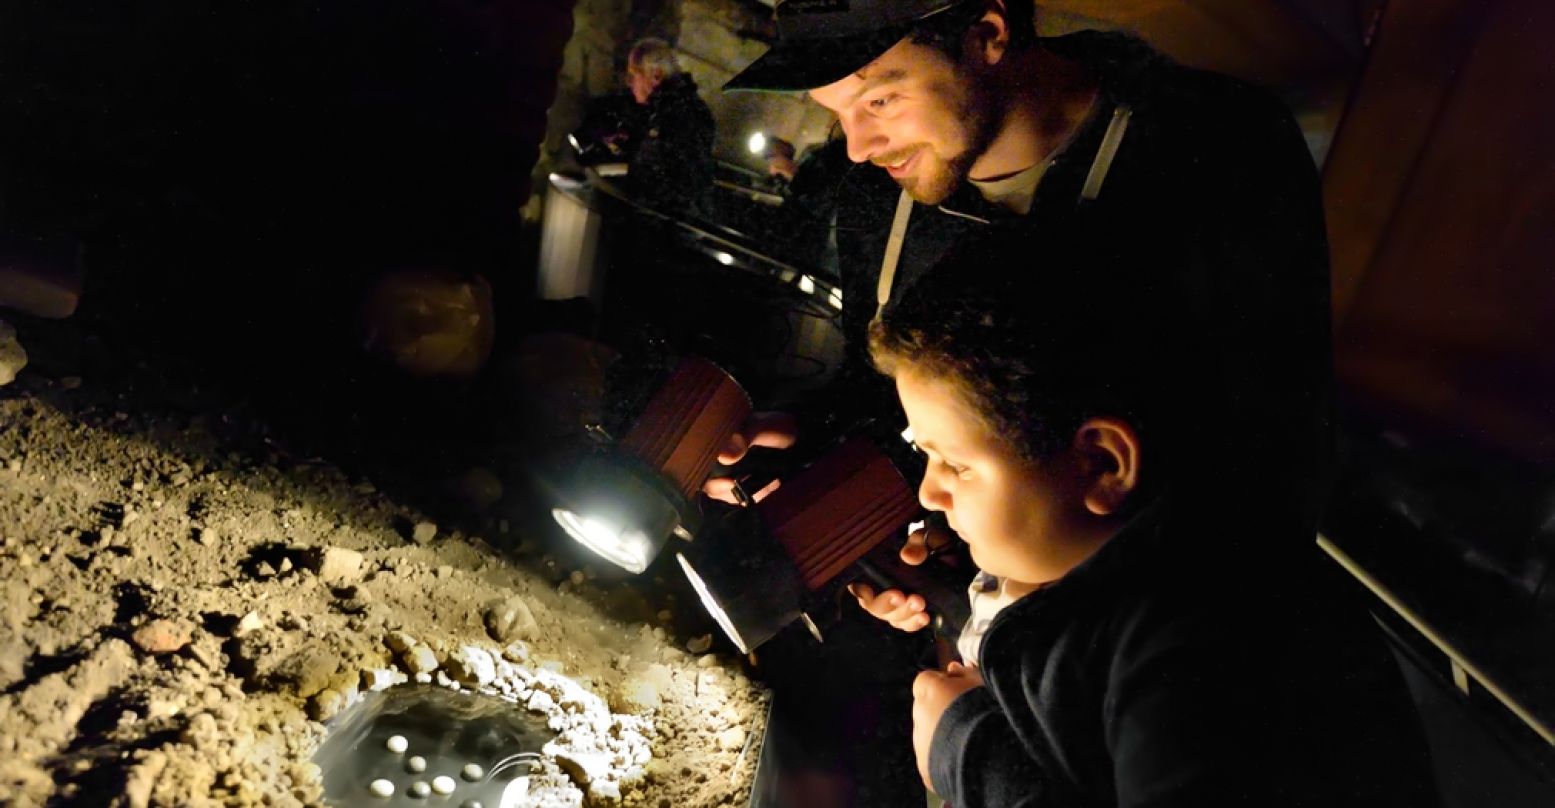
x=625, y=504
x=817, y=524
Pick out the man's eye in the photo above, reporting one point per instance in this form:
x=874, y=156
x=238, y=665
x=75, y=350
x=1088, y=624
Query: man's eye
x=877, y=104
x=955, y=469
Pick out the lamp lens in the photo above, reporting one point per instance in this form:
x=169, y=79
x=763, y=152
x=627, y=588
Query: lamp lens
x=627, y=548
x=711, y=604
x=757, y=143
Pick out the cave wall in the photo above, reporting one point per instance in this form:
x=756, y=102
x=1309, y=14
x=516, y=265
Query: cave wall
x=226, y=169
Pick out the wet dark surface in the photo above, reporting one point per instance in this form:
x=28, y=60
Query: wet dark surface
x=450, y=730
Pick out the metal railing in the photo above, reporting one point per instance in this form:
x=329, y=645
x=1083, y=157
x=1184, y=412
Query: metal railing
x=1464, y=671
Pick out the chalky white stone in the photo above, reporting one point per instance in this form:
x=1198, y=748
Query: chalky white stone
x=419, y=789
x=443, y=784
x=381, y=788
x=416, y=765
x=471, y=772
x=516, y=793
x=471, y=804
x=397, y=744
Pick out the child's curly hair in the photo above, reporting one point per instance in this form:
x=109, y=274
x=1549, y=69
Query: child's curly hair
x=1040, y=331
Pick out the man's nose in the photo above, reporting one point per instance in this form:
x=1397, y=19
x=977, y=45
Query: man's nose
x=864, y=140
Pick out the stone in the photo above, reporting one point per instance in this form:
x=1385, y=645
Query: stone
x=540, y=702
x=12, y=356
x=644, y=692
x=509, y=620
x=162, y=637
x=697, y=645
x=142, y=779
x=472, y=665
x=731, y=739
x=339, y=566
x=604, y=792
x=308, y=671
x=382, y=678
x=248, y=624
x=326, y=704
x=583, y=767
x=419, y=659
x=423, y=532
x=399, y=642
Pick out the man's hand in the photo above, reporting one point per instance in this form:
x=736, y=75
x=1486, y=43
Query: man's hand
x=774, y=430
x=903, y=611
x=932, y=693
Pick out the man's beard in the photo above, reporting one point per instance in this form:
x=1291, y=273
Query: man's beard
x=937, y=178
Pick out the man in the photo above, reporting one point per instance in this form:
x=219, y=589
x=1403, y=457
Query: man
x=983, y=126
x=672, y=167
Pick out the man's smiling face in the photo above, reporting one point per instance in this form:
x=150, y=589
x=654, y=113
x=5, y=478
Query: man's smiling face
x=915, y=113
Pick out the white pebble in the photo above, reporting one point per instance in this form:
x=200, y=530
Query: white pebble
x=416, y=765
x=472, y=772
x=471, y=804
x=419, y=789
x=516, y=792
x=397, y=744
x=443, y=784
x=381, y=788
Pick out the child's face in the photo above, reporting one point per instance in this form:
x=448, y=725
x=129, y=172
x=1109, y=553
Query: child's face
x=1023, y=521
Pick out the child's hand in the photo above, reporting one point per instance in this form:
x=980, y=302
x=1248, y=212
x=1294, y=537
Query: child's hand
x=900, y=609
x=894, y=606
x=932, y=693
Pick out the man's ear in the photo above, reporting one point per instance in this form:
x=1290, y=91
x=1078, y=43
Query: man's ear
x=989, y=37
x=1109, y=452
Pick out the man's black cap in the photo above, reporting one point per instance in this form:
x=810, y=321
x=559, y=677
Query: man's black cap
x=822, y=41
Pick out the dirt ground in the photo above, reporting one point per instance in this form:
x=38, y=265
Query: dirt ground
x=185, y=606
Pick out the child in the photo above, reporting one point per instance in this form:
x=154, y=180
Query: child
x=1152, y=651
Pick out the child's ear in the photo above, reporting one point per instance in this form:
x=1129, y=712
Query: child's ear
x=1110, y=453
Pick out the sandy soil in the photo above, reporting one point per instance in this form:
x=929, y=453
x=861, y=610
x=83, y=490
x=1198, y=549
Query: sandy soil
x=184, y=607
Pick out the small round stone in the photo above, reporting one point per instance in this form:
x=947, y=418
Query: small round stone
x=397, y=744
x=471, y=804
x=381, y=788
x=471, y=772
x=419, y=789
x=443, y=784
x=416, y=764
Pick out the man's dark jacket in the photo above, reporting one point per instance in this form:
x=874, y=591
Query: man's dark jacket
x=1214, y=182
x=1166, y=673
x=672, y=168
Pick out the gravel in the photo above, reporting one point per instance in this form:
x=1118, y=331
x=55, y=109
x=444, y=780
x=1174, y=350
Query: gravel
x=183, y=607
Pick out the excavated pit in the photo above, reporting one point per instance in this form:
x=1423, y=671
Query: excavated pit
x=185, y=610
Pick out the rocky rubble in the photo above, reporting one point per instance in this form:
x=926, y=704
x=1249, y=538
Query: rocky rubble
x=180, y=617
